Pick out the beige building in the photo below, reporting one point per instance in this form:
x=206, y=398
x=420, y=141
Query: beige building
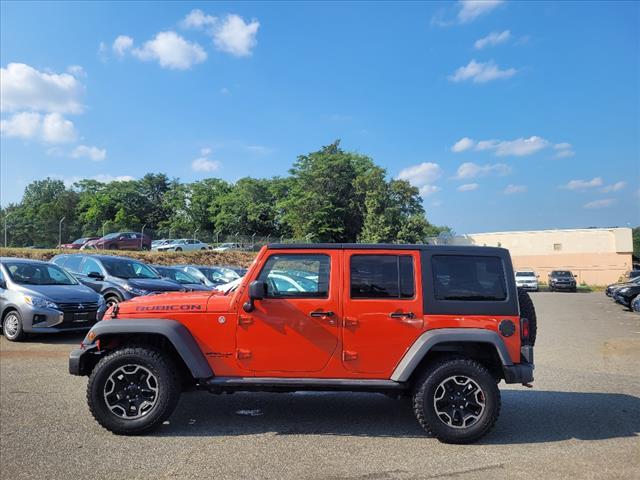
x=598, y=256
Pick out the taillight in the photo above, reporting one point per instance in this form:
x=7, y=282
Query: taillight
x=524, y=328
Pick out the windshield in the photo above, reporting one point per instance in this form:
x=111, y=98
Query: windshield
x=561, y=273
x=123, y=268
x=217, y=274
x=80, y=241
x=38, y=274
x=110, y=236
x=177, y=275
x=525, y=274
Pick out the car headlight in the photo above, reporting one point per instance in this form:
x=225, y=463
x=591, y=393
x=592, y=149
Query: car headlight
x=40, y=302
x=135, y=291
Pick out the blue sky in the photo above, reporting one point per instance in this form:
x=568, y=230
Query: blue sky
x=506, y=115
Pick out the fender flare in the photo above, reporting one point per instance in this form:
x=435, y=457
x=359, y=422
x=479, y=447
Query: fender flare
x=428, y=340
x=175, y=332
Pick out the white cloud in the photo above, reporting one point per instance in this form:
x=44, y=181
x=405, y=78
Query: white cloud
x=171, y=51
x=604, y=203
x=616, y=187
x=93, y=153
x=563, y=150
x=198, y=19
x=204, y=152
x=57, y=129
x=76, y=71
x=203, y=164
x=236, y=37
x=25, y=88
x=468, y=187
x=122, y=44
x=479, y=72
x=106, y=178
x=472, y=9
x=493, y=39
x=511, y=189
x=463, y=144
x=50, y=128
x=422, y=176
x=583, y=184
x=25, y=125
x=473, y=170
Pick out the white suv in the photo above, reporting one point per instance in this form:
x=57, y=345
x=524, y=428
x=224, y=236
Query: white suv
x=527, y=280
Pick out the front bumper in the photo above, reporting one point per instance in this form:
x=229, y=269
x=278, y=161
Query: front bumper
x=563, y=286
x=531, y=287
x=82, y=360
x=48, y=320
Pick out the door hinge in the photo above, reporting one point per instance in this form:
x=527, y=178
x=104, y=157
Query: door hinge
x=349, y=356
x=245, y=320
x=350, y=322
x=242, y=354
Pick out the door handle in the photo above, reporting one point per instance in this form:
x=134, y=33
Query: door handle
x=321, y=314
x=408, y=315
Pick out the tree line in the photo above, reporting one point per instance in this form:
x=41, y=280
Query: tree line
x=330, y=195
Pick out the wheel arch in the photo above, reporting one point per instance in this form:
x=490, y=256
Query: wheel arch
x=159, y=333
x=482, y=345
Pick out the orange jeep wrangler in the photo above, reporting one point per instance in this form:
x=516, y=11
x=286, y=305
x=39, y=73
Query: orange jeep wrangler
x=441, y=324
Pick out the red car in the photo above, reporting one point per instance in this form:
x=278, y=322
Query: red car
x=77, y=244
x=120, y=241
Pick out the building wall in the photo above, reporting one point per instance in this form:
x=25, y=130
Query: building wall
x=598, y=256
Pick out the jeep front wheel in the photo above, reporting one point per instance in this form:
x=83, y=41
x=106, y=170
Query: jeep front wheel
x=133, y=390
x=457, y=401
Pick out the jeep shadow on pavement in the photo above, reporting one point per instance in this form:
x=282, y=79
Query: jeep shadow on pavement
x=442, y=325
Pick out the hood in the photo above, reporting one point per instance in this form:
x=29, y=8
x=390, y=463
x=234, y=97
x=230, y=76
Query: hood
x=61, y=293
x=196, y=287
x=166, y=303
x=154, y=285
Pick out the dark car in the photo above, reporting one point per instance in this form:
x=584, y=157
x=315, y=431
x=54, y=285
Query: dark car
x=625, y=295
x=562, y=280
x=39, y=297
x=77, y=244
x=211, y=276
x=635, y=304
x=634, y=274
x=120, y=241
x=183, y=278
x=116, y=278
x=610, y=290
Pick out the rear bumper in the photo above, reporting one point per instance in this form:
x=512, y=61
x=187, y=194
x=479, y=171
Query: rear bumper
x=523, y=371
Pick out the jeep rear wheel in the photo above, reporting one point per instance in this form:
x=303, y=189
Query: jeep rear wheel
x=457, y=401
x=133, y=390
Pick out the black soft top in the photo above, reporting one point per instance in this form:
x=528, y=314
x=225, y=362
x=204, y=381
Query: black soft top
x=463, y=249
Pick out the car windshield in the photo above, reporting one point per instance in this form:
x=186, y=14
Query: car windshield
x=218, y=274
x=80, y=241
x=179, y=276
x=561, y=273
x=38, y=274
x=525, y=274
x=123, y=268
x=110, y=236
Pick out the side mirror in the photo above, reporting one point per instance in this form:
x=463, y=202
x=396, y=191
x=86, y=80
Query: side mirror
x=257, y=291
x=95, y=275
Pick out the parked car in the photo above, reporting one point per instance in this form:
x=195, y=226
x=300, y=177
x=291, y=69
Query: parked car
x=157, y=243
x=626, y=294
x=634, y=274
x=562, y=280
x=635, y=304
x=223, y=247
x=527, y=280
x=77, y=244
x=116, y=278
x=120, y=241
x=610, y=290
x=211, y=276
x=39, y=297
x=183, y=244
x=185, y=279
x=241, y=271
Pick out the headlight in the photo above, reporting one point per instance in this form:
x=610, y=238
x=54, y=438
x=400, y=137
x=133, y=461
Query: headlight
x=40, y=302
x=135, y=291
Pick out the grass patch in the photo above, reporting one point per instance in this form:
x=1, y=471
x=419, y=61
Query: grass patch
x=199, y=257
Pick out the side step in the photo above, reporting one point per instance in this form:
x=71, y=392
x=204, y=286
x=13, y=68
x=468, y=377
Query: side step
x=278, y=384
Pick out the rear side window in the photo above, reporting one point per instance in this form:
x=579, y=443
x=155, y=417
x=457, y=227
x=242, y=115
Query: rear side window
x=382, y=276
x=73, y=263
x=469, y=278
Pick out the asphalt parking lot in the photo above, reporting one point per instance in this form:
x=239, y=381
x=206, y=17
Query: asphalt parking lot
x=581, y=419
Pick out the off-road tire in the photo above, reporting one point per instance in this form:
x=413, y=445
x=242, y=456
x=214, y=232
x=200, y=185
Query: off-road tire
x=425, y=391
x=12, y=327
x=169, y=388
x=528, y=311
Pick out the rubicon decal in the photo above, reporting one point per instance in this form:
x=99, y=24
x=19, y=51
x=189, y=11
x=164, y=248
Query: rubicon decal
x=167, y=308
